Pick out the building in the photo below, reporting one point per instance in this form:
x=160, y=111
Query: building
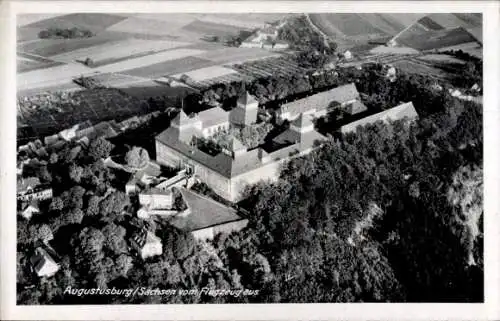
x=345, y=97
x=229, y=171
x=156, y=198
x=246, y=110
x=146, y=243
x=43, y=263
x=403, y=111
x=207, y=217
x=30, y=188
x=213, y=120
x=347, y=55
x=29, y=208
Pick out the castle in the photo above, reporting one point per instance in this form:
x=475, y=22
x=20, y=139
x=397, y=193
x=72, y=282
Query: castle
x=230, y=170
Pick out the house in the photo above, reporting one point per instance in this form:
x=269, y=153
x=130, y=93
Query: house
x=49, y=140
x=229, y=171
x=43, y=263
x=27, y=184
x=347, y=55
x=84, y=142
x=70, y=133
x=207, y=217
x=146, y=243
x=320, y=104
x=30, y=188
x=403, y=111
x=29, y=208
x=156, y=198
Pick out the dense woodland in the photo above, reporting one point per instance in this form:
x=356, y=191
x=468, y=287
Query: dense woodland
x=379, y=215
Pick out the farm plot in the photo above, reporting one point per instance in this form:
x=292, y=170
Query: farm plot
x=230, y=55
x=169, y=67
x=213, y=29
x=119, y=49
x=235, y=77
x=68, y=86
x=206, y=73
x=243, y=20
x=49, y=76
x=92, y=21
x=418, y=68
x=169, y=25
x=281, y=66
x=441, y=59
x=351, y=25
x=28, y=63
x=113, y=80
x=438, y=39
x=53, y=47
x=146, y=62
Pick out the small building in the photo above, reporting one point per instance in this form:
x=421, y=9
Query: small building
x=30, y=188
x=207, y=217
x=84, y=142
x=43, y=263
x=347, y=55
x=146, y=243
x=29, y=208
x=156, y=198
x=49, y=140
x=27, y=184
x=403, y=111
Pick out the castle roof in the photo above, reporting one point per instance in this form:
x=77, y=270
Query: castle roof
x=183, y=119
x=213, y=117
x=205, y=212
x=302, y=121
x=395, y=113
x=246, y=99
x=322, y=100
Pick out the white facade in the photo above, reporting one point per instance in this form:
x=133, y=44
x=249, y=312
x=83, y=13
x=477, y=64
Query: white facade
x=28, y=212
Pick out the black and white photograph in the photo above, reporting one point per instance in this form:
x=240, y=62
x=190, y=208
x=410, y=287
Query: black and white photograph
x=249, y=157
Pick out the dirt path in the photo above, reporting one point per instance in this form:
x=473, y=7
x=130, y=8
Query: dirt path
x=318, y=30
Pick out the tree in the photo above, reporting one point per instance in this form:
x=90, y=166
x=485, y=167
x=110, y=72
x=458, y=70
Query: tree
x=73, y=216
x=115, y=238
x=100, y=148
x=137, y=157
x=56, y=204
x=75, y=172
x=123, y=264
x=93, y=205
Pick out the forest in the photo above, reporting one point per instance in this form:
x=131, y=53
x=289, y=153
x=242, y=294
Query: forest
x=390, y=213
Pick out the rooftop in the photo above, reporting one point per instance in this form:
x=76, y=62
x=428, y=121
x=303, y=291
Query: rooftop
x=213, y=117
x=28, y=182
x=398, y=112
x=222, y=163
x=322, y=100
x=205, y=212
x=246, y=99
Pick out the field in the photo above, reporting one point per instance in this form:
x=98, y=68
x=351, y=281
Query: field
x=207, y=73
x=53, y=47
x=119, y=49
x=441, y=59
x=228, y=55
x=210, y=28
x=169, y=67
x=26, y=62
x=473, y=49
x=437, y=39
x=116, y=80
x=419, y=68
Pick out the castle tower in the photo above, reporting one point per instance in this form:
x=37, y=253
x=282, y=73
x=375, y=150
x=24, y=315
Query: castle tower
x=245, y=112
x=236, y=148
x=187, y=126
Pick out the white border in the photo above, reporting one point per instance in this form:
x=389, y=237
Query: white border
x=487, y=311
